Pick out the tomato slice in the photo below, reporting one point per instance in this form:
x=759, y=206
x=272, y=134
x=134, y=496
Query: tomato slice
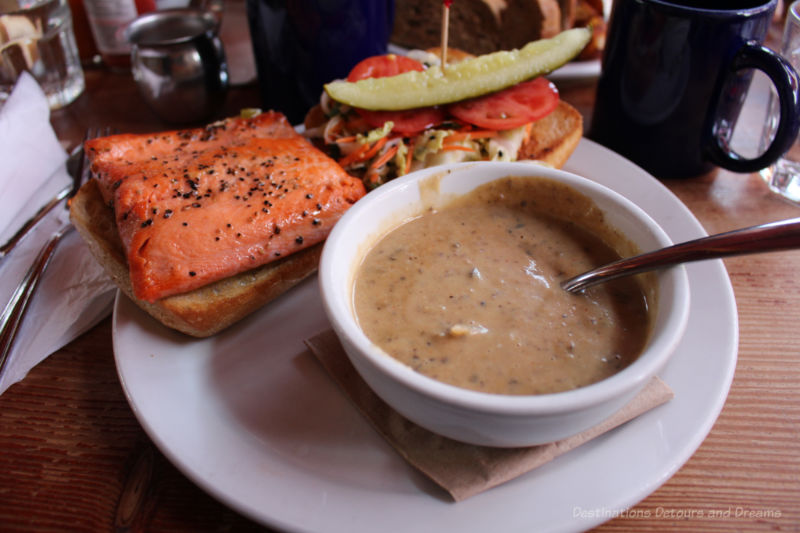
x=405, y=122
x=509, y=108
x=382, y=66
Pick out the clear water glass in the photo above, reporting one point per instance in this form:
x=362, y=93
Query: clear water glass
x=783, y=177
x=37, y=36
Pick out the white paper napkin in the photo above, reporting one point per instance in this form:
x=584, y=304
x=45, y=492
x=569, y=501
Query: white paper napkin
x=74, y=293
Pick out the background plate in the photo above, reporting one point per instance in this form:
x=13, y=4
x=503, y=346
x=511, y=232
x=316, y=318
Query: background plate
x=252, y=418
x=576, y=70
x=572, y=71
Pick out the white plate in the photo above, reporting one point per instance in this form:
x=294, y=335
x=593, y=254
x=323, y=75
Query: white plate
x=576, y=70
x=253, y=419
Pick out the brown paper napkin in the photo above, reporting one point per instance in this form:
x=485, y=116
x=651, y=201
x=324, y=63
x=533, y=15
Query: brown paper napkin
x=461, y=469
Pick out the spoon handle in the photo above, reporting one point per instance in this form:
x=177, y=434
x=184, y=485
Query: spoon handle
x=770, y=237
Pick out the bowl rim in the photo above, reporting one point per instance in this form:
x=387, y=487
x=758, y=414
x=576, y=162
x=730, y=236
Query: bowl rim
x=628, y=380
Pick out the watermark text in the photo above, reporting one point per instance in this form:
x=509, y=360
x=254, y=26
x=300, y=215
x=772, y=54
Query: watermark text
x=675, y=513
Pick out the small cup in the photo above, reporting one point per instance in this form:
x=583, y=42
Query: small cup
x=179, y=63
x=37, y=36
x=783, y=177
x=674, y=77
x=299, y=45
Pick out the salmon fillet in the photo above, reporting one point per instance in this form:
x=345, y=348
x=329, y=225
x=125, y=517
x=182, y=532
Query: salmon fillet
x=196, y=206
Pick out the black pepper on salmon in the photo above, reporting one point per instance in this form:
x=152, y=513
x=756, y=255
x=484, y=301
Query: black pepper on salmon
x=210, y=179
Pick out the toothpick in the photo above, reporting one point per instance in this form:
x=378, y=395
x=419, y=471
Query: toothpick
x=445, y=31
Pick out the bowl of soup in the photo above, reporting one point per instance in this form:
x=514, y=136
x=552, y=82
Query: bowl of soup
x=443, y=287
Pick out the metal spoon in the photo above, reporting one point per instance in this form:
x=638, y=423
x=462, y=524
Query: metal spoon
x=770, y=237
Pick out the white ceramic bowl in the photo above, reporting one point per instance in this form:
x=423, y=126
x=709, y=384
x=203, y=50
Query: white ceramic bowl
x=466, y=415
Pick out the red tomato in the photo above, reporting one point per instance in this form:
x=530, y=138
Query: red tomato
x=381, y=66
x=509, y=108
x=406, y=122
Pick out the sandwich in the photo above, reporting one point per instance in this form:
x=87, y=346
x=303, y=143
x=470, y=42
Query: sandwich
x=201, y=227
x=523, y=121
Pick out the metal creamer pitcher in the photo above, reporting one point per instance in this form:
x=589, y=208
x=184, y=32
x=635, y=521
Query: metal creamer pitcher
x=179, y=64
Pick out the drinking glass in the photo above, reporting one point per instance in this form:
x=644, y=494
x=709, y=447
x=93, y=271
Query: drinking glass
x=300, y=45
x=37, y=36
x=783, y=177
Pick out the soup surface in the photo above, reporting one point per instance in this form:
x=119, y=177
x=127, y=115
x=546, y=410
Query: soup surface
x=469, y=294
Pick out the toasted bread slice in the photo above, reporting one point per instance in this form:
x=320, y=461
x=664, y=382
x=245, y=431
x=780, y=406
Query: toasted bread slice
x=554, y=137
x=589, y=13
x=567, y=13
x=201, y=312
x=476, y=26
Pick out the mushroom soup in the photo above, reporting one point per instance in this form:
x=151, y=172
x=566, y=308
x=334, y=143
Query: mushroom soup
x=469, y=294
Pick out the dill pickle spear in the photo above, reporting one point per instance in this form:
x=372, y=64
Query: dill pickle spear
x=466, y=79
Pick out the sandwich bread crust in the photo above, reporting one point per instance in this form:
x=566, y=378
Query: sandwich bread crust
x=553, y=138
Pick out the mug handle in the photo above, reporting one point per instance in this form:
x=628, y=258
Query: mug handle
x=787, y=83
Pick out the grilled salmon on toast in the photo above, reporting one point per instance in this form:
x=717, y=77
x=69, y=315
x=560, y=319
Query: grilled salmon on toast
x=201, y=227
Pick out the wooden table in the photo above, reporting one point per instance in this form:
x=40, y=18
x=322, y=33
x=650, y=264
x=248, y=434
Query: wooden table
x=72, y=454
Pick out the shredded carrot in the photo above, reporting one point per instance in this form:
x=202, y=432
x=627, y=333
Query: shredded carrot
x=409, y=156
x=375, y=148
x=454, y=147
x=363, y=153
x=354, y=156
x=483, y=134
x=372, y=179
x=348, y=139
x=528, y=129
x=470, y=135
x=384, y=158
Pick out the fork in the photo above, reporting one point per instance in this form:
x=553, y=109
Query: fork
x=14, y=312
x=31, y=223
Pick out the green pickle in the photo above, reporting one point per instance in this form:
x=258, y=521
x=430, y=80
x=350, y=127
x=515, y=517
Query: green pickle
x=466, y=79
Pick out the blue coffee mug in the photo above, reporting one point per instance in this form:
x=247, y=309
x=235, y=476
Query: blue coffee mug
x=299, y=45
x=674, y=77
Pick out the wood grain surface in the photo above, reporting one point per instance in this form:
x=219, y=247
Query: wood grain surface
x=74, y=457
